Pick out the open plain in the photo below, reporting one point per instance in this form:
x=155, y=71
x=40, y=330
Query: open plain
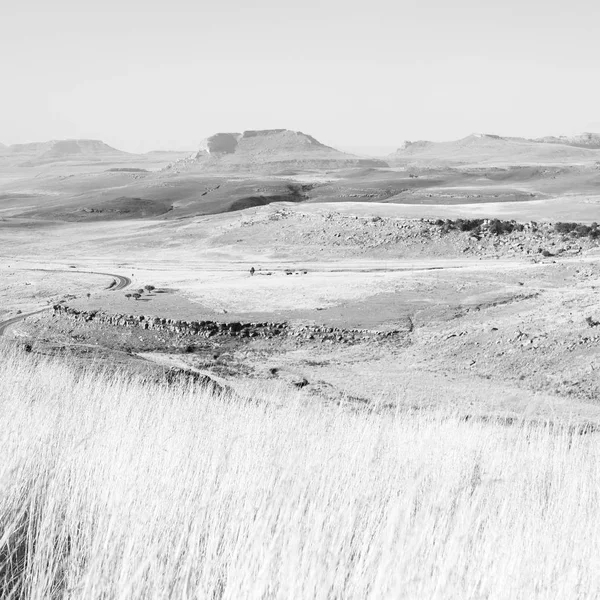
x=444, y=276
x=357, y=309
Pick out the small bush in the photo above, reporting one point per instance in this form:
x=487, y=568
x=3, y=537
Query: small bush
x=469, y=224
x=564, y=227
x=578, y=229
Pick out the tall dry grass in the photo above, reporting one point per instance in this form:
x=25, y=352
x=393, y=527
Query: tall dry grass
x=112, y=488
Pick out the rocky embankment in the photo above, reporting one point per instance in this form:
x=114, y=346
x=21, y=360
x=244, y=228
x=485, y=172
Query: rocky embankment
x=209, y=329
x=310, y=236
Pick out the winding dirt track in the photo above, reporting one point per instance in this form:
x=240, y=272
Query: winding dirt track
x=4, y=325
x=121, y=283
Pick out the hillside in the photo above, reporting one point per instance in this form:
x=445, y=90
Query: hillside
x=488, y=149
x=269, y=150
x=581, y=140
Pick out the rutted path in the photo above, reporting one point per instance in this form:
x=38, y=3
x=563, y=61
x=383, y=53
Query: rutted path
x=121, y=283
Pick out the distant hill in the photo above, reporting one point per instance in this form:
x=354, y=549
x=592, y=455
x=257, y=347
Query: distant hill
x=490, y=149
x=39, y=153
x=269, y=150
x=580, y=140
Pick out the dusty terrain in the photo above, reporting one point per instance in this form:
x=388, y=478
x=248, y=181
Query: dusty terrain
x=368, y=287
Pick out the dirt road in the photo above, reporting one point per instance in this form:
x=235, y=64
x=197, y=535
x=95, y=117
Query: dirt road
x=121, y=283
x=4, y=325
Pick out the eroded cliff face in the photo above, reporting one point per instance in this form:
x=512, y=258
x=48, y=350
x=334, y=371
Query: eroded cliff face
x=220, y=143
x=278, y=148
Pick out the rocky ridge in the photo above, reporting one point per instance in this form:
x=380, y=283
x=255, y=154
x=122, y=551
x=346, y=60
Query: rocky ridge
x=209, y=329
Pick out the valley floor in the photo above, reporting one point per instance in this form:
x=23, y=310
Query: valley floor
x=489, y=325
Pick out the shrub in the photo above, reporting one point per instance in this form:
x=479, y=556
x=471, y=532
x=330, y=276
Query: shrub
x=564, y=227
x=578, y=229
x=499, y=227
x=469, y=224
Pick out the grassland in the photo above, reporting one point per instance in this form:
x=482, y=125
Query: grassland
x=114, y=487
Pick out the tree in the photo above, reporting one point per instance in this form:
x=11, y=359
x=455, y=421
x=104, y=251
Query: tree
x=149, y=288
x=140, y=291
x=127, y=296
x=136, y=296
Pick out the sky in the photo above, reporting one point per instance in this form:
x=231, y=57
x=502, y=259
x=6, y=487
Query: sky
x=147, y=74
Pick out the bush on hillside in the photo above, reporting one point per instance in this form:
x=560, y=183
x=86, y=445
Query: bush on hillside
x=578, y=229
x=477, y=226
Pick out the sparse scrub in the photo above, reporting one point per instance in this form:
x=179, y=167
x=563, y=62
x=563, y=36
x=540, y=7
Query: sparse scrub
x=578, y=229
x=468, y=224
x=479, y=226
x=117, y=488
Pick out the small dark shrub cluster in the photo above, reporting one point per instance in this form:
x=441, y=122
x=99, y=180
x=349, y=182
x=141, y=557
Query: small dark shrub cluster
x=498, y=227
x=578, y=229
x=495, y=226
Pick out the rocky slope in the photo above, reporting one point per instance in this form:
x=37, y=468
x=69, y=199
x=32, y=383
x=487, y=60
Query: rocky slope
x=272, y=150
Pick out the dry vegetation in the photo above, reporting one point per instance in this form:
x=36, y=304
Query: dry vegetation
x=114, y=488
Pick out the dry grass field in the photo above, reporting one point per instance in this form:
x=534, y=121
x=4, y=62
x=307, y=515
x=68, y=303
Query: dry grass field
x=113, y=487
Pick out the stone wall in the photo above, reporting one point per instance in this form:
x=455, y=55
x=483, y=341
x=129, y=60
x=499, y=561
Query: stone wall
x=208, y=329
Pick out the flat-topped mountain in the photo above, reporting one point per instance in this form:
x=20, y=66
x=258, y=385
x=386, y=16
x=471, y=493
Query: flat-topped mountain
x=480, y=148
x=38, y=153
x=271, y=150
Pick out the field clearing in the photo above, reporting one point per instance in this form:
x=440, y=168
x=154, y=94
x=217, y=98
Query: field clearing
x=114, y=487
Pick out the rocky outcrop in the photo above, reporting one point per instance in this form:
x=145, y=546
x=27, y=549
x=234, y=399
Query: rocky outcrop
x=269, y=149
x=210, y=329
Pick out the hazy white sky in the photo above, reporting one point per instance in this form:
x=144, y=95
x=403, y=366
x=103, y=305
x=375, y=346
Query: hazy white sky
x=149, y=74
